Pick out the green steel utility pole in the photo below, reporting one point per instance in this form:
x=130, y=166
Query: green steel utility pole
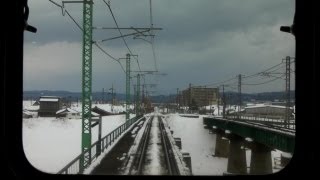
x=127, y=86
x=85, y=160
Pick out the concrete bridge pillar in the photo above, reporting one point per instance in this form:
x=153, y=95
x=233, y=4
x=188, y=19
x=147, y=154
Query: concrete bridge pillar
x=178, y=142
x=261, y=160
x=237, y=155
x=222, y=144
x=285, y=158
x=187, y=159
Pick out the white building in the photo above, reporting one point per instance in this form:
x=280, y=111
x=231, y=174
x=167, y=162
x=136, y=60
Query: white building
x=267, y=110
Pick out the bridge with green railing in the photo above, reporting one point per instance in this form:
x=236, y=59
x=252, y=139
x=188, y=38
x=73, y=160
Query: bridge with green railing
x=270, y=132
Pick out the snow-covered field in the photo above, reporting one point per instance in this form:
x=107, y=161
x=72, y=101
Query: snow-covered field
x=49, y=143
x=106, y=107
x=201, y=145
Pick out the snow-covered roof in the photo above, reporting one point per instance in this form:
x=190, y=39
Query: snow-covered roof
x=263, y=105
x=286, y=155
x=30, y=108
x=49, y=99
x=94, y=114
x=67, y=110
x=27, y=112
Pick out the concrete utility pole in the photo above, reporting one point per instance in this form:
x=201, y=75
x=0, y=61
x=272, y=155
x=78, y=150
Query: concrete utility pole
x=287, y=114
x=218, y=97
x=224, y=102
x=190, y=96
x=239, y=92
x=177, y=99
x=207, y=99
x=102, y=97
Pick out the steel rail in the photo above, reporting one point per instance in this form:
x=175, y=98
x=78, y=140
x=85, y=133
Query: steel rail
x=143, y=148
x=164, y=144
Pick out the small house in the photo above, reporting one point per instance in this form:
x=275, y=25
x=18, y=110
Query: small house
x=49, y=105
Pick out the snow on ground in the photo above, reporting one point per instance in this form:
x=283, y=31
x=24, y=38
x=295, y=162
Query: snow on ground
x=199, y=143
x=106, y=107
x=50, y=144
x=27, y=103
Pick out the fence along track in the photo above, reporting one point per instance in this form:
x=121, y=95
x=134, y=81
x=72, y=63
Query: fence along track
x=74, y=166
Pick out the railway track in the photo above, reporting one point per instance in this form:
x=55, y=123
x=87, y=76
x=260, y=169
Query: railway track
x=154, y=155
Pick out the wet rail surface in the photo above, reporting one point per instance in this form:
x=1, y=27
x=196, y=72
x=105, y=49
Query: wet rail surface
x=154, y=152
x=154, y=160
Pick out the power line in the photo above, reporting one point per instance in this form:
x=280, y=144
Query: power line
x=74, y=20
x=114, y=19
x=264, y=82
x=221, y=82
x=259, y=73
x=94, y=42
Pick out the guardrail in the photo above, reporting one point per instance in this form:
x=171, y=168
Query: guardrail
x=276, y=122
x=74, y=167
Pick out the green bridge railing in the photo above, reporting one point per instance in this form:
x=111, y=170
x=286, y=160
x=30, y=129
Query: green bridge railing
x=275, y=122
x=281, y=139
x=74, y=167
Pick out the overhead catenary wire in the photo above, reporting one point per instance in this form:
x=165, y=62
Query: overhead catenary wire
x=259, y=73
x=114, y=19
x=221, y=82
x=94, y=42
x=74, y=20
x=263, y=82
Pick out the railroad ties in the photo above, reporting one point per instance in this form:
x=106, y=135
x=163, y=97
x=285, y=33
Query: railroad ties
x=156, y=152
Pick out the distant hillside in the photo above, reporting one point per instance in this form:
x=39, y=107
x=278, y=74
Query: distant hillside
x=73, y=96
x=264, y=96
x=96, y=96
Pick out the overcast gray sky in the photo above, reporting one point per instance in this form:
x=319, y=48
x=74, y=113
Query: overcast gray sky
x=202, y=42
